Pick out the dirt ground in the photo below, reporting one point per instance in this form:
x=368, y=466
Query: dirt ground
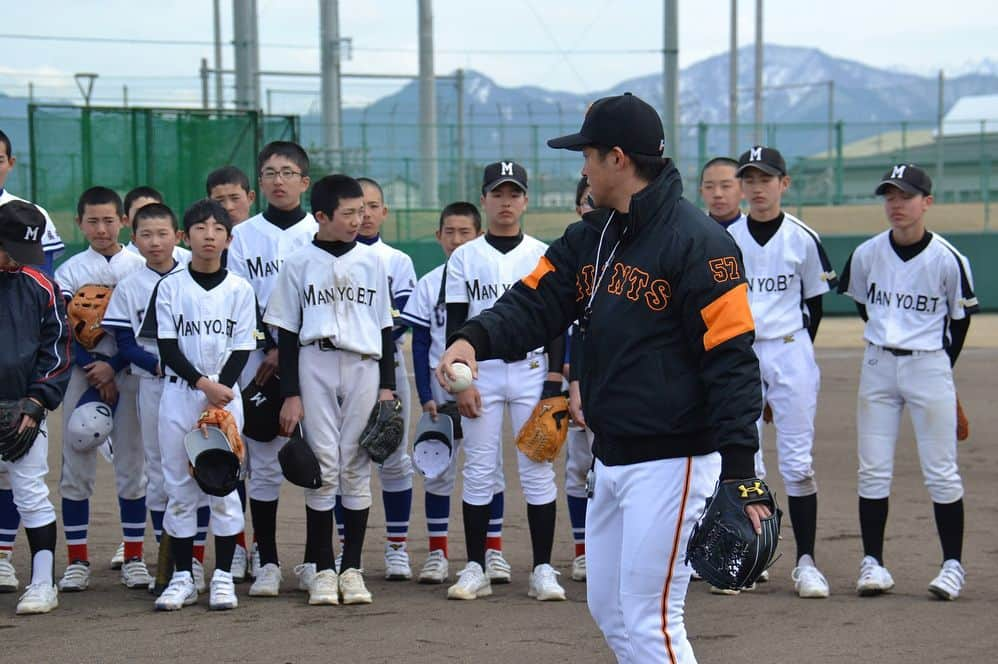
x=416, y=624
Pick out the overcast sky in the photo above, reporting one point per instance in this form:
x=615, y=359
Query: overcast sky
x=558, y=44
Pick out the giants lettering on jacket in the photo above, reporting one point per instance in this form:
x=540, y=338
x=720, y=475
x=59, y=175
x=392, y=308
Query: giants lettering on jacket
x=627, y=280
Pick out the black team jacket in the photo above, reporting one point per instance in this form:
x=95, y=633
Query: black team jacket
x=667, y=366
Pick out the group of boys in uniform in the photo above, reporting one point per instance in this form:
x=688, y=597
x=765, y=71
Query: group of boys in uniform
x=315, y=304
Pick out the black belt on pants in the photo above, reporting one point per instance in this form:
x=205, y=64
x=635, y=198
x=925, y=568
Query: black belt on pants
x=328, y=345
x=898, y=352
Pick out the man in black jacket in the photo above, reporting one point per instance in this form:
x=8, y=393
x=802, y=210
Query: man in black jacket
x=665, y=377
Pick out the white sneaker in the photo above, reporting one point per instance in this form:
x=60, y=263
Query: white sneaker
x=472, y=583
x=497, y=568
x=352, y=587
x=223, y=592
x=135, y=574
x=809, y=582
x=764, y=577
x=874, y=579
x=118, y=559
x=695, y=577
x=435, y=569
x=76, y=578
x=254, y=567
x=305, y=573
x=8, y=578
x=268, y=582
x=544, y=584
x=197, y=569
x=579, y=568
x=397, y=562
x=949, y=582
x=338, y=563
x=325, y=588
x=714, y=590
x=38, y=598
x=180, y=593
x=239, y=564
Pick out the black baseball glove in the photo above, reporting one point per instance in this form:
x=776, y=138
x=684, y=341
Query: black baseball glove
x=383, y=433
x=724, y=548
x=14, y=444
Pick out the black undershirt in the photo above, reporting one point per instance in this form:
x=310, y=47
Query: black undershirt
x=908, y=251
x=289, y=345
x=283, y=219
x=171, y=355
x=763, y=231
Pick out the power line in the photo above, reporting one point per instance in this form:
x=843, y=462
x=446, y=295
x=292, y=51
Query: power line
x=301, y=47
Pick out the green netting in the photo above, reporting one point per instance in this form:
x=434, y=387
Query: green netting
x=173, y=150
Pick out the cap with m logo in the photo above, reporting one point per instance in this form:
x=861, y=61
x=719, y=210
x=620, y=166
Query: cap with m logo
x=504, y=171
x=767, y=160
x=909, y=178
x=21, y=228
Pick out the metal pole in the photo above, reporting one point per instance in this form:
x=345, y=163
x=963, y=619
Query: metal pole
x=219, y=92
x=254, y=56
x=241, y=52
x=31, y=92
x=329, y=47
x=831, y=117
x=758, y=72
x=269, y=108
x=459, y=83
x=670, y=75
x=940, y=168
x=427, y=106
x=124, y=96
x=733, y=83
x=204, y=84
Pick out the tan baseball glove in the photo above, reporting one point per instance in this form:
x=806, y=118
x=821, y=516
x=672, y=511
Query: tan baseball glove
x=962, y=425
x=545, y=431
x=85, y=313
x=223, y=419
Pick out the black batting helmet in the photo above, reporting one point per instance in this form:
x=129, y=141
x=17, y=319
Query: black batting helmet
x=298, y=462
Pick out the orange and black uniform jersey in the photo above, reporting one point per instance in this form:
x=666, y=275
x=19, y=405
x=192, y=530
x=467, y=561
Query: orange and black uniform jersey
x=667, y=366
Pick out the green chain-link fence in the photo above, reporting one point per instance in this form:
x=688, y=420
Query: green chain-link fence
x=173, y=150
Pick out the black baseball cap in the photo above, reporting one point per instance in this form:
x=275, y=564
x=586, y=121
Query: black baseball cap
x=504, y=171
x=906, y=177
x=624, y=121
x=767, y=160
x=21, y=228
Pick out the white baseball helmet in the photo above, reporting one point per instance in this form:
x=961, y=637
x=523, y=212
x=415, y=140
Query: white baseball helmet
x=89, y=426
x=434, y=446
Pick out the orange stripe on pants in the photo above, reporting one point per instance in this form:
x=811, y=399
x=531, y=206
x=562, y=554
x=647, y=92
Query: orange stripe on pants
x=672, y=561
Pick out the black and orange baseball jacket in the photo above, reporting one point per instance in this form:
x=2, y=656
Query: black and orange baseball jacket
x=668, y=368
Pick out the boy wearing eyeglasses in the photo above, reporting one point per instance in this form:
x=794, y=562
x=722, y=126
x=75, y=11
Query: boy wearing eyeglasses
x=259, y=247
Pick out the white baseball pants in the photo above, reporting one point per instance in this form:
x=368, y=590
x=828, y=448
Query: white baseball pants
x=79, y=469
x=26, y=478
x=790, y=383
x=519, y=385
x=338, y=391
x=924, y=382
x=637, y=525
x=150, y=393
x=578, y=460
x=180, y=408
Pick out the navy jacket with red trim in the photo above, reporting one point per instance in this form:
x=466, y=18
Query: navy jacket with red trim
x=34, y=355
x=668, y=368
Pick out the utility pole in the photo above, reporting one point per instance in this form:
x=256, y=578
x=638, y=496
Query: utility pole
x=427, y=107
x=757, y=137
x=733, y=83
x=670, y=76
x=247, y=52
x=219, y=92
x=940, y=157
x=329, y=41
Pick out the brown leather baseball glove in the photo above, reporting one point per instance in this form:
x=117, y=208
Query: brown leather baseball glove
x=962, y=425
x=545, y=431
x=85, y=313
x=223, y=419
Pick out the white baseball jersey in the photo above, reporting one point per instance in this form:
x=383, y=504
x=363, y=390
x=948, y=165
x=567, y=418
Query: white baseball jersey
x=478, y=273
x=90, y=267
x=790, y=268
x=127, y=307
x=259, y=248
x=207, y=324
x=341, y=298
x=425, y=309
x=401, y=273
x=180, y=254
x=908, y=302
x=51, y=242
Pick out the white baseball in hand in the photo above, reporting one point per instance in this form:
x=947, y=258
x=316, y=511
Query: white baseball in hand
x=462, y=377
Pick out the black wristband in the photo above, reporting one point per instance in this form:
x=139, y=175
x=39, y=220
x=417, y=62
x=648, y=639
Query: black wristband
x=552, y=388
x=33, y=409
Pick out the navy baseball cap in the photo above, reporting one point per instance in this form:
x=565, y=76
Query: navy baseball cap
x=908, y=178
x=504, y=171
x=767, y=160
x=624, y=121
x=22, y=225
